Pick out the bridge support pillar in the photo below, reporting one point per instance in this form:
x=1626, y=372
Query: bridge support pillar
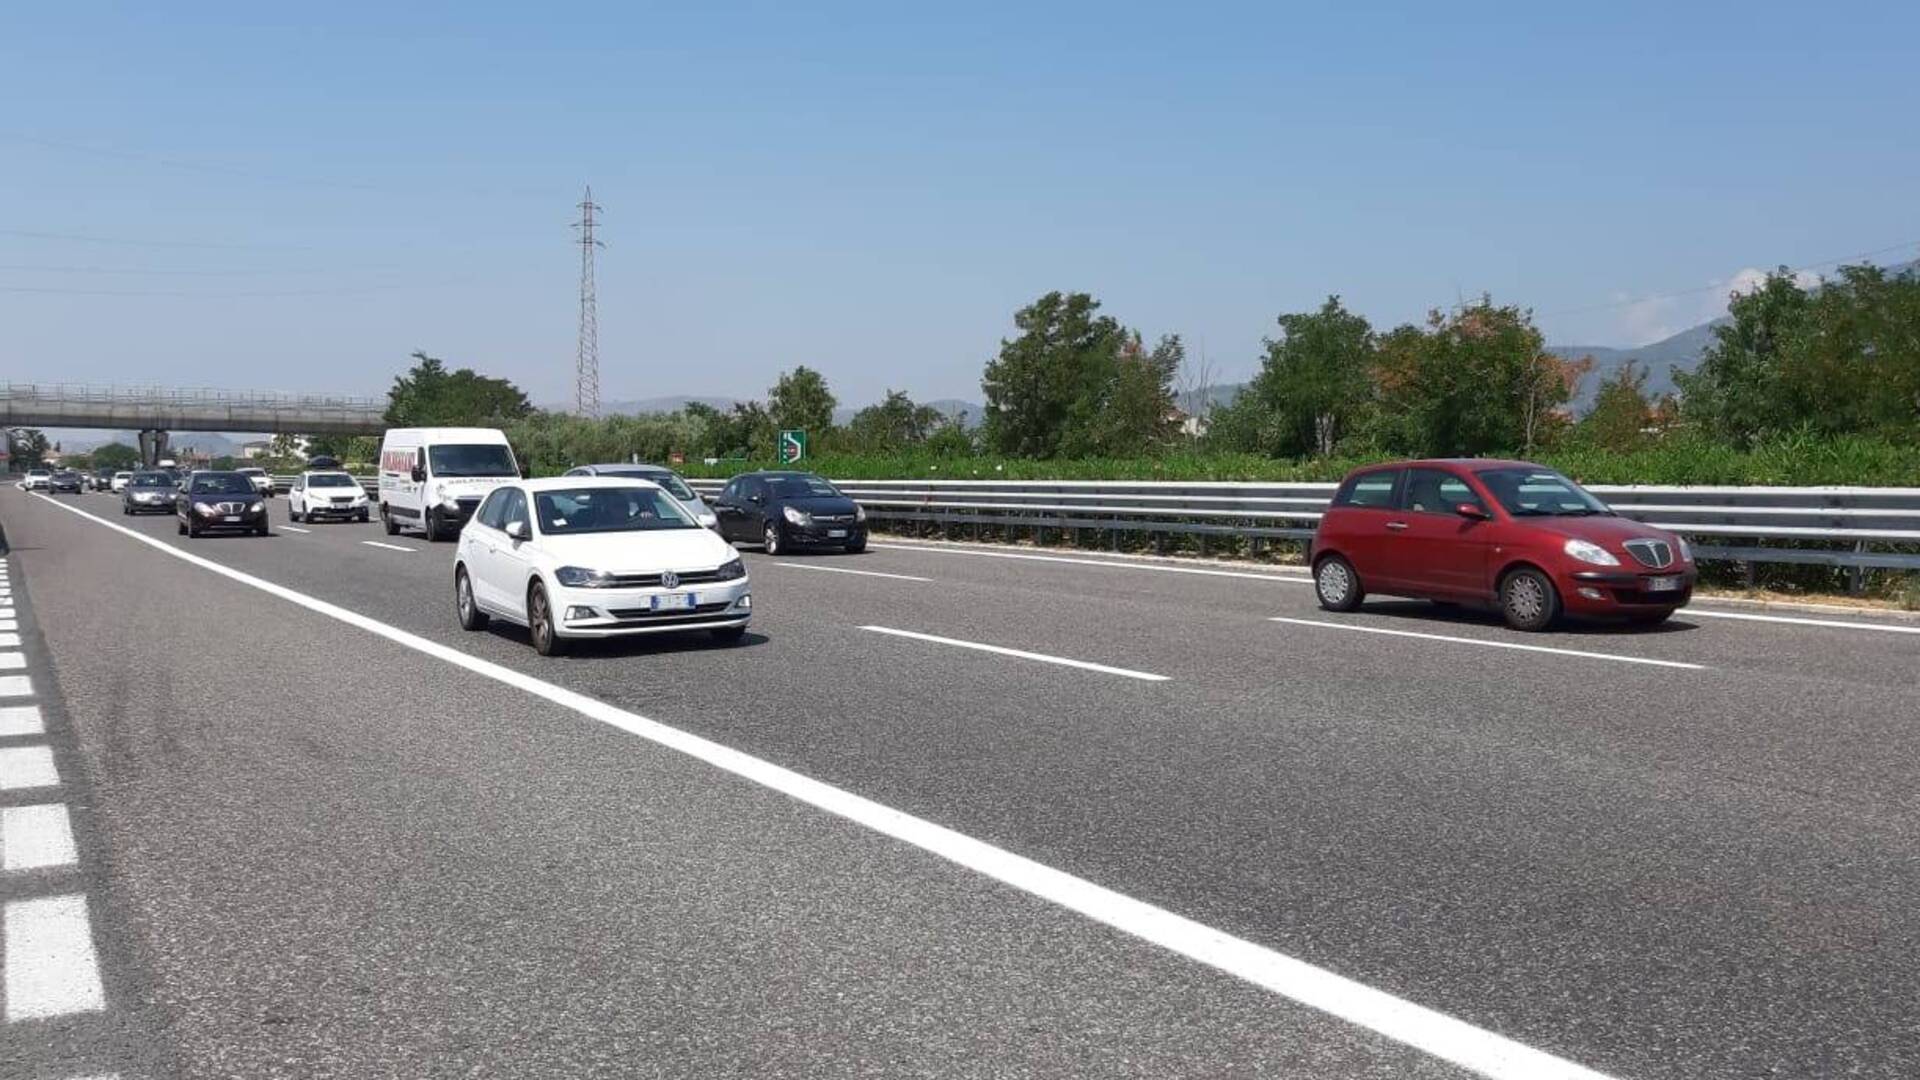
x=153, y=447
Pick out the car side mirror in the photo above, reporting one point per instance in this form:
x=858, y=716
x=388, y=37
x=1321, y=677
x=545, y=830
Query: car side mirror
x=756, y=498
x=1471, y=511
x=418, y=474
x=516, y=531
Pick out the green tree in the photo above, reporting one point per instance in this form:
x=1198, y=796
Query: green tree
x=800, y=399
x=429, y=395
x=1737, y=392
x=1052, y=377
x=1314, y=386
x=894, y=423
x=116, y=456
x=1126, y=410
x=1476, y=381
x=27, y=447
x=1622, y=412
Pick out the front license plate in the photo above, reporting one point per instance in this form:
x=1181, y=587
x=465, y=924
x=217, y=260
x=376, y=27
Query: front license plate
x=675, y=602
x=1663, y=584
x=231, y=517
x=835, y=534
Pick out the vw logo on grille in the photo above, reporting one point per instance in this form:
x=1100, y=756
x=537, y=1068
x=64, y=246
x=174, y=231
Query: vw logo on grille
x=669, y=580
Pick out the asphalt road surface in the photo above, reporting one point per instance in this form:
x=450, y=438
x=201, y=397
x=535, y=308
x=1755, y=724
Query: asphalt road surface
x=945, y=812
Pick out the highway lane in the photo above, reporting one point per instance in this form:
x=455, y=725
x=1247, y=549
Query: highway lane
x=341, y=858
x=1569, y=855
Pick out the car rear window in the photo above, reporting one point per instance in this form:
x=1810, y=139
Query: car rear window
x=1373, y=489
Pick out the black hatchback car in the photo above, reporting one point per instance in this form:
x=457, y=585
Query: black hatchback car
x=221, y=501
x=65, y=480
x=789, y=511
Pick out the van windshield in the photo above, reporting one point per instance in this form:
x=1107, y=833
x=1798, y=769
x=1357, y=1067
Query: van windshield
x=471, y=459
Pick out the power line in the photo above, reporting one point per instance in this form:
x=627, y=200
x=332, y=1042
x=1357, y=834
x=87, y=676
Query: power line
x=132, y=271
x=586, y=364
x=126, y=242
x=228, y=295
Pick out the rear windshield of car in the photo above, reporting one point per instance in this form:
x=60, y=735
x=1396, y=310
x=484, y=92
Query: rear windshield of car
x=331, y=480
x=608, y=509
x=1539, y=493
x=800, y=487
x=471, y=459
x=221, y=484
x=671, y=481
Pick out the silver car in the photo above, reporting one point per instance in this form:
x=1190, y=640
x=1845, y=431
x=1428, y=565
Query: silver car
x=659, y=474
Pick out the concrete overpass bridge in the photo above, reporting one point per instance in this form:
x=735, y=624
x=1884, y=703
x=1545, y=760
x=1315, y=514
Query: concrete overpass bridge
x=153, y=411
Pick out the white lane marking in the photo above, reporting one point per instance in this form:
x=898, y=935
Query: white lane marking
x=1395, y=1018
x=21, y=720
x=1489, y=644
x=36, y=837
x=294, y=528
x=12, y=661
x=51, y=969
x=1019, y=653
x=6, y=611
x=27, y=767
x=1794, y=621
x=1283, y=577
x=9, y=624
x=11, y=641
x=16, y=686
x=389, y=547
x=846, y=570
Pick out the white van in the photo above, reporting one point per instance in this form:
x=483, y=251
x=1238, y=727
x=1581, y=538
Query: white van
x=432, y=479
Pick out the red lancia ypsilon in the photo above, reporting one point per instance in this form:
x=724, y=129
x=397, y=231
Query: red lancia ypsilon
x=1502, y=532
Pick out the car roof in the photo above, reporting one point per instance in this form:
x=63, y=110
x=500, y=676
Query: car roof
x=642, y=466
x=1452, y=463
x=574, y=483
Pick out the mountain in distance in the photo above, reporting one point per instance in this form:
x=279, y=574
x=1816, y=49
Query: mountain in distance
x=951, y=408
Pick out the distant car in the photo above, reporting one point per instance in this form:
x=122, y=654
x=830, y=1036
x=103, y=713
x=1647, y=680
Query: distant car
x=789, y=511
x=149, y=491
x=262, y=482
x=322, y=463
x=1512, y=534
x=101, y=480
x=65, y=480
x=327, y=494
x=222, y=501
x=589, y=557
x=120, y=481
x=659, y=474
x=37, y=479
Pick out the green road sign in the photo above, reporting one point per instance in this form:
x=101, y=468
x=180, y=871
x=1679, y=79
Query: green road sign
x=793, y=446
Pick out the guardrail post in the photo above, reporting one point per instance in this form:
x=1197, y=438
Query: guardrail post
x=1857, y=574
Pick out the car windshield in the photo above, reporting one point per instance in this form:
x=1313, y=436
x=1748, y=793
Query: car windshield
x=800, y=487
x=151, y=479
x=672, y=482
x=334, y=479
x=221, y=484
x=471, y=459
x=608, y=509
x=1540, y=493
x=252, y=472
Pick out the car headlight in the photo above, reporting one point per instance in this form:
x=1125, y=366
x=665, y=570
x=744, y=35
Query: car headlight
x=205, y=509
x=859, y=512
x=732, y=570
x=796, y=516
x=1589, y=552
x=256, y=508
x=1686, y=551
x=579, y=577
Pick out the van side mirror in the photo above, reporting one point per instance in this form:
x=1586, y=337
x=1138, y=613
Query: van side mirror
x=419, y=474
x=516, y=530
x=1471, y=511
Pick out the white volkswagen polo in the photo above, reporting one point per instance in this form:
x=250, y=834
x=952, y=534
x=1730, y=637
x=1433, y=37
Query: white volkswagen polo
x=588, y=557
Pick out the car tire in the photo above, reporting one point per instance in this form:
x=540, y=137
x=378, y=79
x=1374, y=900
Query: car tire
x=540, y=628
x=183, y=527
x=1337, y=585
x=1528, y=600
x=387, y=522
x=435, y=533
x=771, y=540
x=729, y=635
x=264, y=529
x=464, y=605
x=292, y=514
x=363, y=516
x=857, y=547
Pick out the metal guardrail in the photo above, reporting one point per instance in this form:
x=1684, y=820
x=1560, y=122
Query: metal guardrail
x=1849, y=527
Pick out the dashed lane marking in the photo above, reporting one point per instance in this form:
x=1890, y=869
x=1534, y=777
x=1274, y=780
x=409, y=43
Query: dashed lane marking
x=18, y=720
x=12, y=661
x=16, y=686
x=1488, y=644
x=294, y=528
x=36, y=837
x=1796, y=621
x=24, y=767
x=1279, y=577
x=1429, y=1031
x=389, y=547
x=10, y=640
x=50, y=965
x=1020, y=654
x=847, y=570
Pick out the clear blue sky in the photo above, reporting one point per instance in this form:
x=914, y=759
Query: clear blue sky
x=874, y=189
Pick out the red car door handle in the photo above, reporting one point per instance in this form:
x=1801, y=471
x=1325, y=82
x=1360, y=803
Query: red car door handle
x=1396, y=524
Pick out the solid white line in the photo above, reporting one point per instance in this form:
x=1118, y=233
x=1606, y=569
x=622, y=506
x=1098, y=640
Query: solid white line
x=389, y=547
x=16, y=686
x=293, y=528
x=27, y=767
x=36, y=837
x=1424, y=1029
x=51, y=969
x=1489, y=644
x=1282, y=577
x=21, y=720
x=12, y=661
x=1794, y=621
x=1019, y=653
x=845, y=570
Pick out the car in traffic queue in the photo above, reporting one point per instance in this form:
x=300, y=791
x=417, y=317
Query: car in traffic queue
x=65, y=480
x=1511, y=534
x=789, y=511
x=673, y=482
x=149, y=491
x=37, y=479
x=329, y=493
x=221, y=501
x=100, y=480
x=120, y=481
x=261, y=479
x=577, y=557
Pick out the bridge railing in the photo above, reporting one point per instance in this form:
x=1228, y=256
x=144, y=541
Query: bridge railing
x=174, y=396
x=1854, y=527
